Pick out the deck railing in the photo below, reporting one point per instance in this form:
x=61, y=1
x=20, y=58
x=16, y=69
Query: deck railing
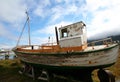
x=105, y=41
x=54, y=46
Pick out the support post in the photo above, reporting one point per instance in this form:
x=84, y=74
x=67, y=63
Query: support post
x=106, y=76
x=28, y=70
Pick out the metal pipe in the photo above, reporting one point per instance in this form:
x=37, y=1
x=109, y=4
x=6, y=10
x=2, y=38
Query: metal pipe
x=56, y=35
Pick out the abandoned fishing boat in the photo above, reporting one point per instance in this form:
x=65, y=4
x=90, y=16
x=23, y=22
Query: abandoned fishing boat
x=70, y=52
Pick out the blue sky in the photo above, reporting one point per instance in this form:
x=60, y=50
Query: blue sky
x=100, y=16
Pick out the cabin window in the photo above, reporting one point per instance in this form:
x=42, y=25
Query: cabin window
x=64, y=33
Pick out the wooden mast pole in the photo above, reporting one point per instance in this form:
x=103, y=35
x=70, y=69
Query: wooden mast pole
x=28, y=28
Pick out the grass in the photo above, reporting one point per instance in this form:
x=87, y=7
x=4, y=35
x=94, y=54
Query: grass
x=9, y=72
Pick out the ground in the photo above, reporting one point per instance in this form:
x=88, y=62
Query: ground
x=9, y=72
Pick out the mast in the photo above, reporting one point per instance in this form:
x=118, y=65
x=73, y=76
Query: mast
x=28, y=28
x=27, y=21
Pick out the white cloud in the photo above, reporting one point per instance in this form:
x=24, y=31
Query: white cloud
x=58, y=11
x=6, y=37
x=6, y=46
x=102, y=16
x=39, y=40
x=12, y=11
x=6, y=34
x=105, y=21
x=41, y=8
x=3, y=31
x=11, y=16
x=59, y=1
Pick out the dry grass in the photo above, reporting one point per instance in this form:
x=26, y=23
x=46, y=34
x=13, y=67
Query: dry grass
x=9, y=72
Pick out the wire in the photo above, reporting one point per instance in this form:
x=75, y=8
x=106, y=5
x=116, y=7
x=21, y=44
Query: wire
x=21, y=33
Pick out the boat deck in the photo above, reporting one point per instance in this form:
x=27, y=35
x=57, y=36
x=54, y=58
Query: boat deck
x=89, y=48
x=56, y=48
x=53, y=47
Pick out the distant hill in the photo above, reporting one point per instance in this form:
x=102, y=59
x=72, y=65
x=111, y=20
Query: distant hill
x=114, y=38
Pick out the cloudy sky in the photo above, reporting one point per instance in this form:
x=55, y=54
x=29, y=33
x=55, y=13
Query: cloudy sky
x=101, y=17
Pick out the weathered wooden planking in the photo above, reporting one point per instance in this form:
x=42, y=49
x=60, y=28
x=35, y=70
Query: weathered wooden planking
x=89, y=58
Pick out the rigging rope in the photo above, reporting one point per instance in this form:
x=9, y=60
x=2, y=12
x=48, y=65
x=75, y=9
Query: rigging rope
x=21, y=33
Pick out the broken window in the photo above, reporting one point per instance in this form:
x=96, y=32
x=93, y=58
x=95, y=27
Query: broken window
x=64, y=33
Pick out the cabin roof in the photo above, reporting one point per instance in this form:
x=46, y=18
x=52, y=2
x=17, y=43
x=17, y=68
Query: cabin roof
x=63, y=27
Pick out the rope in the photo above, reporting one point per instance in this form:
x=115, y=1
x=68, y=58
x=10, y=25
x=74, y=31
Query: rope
x=21, y=33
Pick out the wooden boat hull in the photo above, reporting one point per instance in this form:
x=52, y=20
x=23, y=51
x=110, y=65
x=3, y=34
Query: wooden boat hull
x=100, y=58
